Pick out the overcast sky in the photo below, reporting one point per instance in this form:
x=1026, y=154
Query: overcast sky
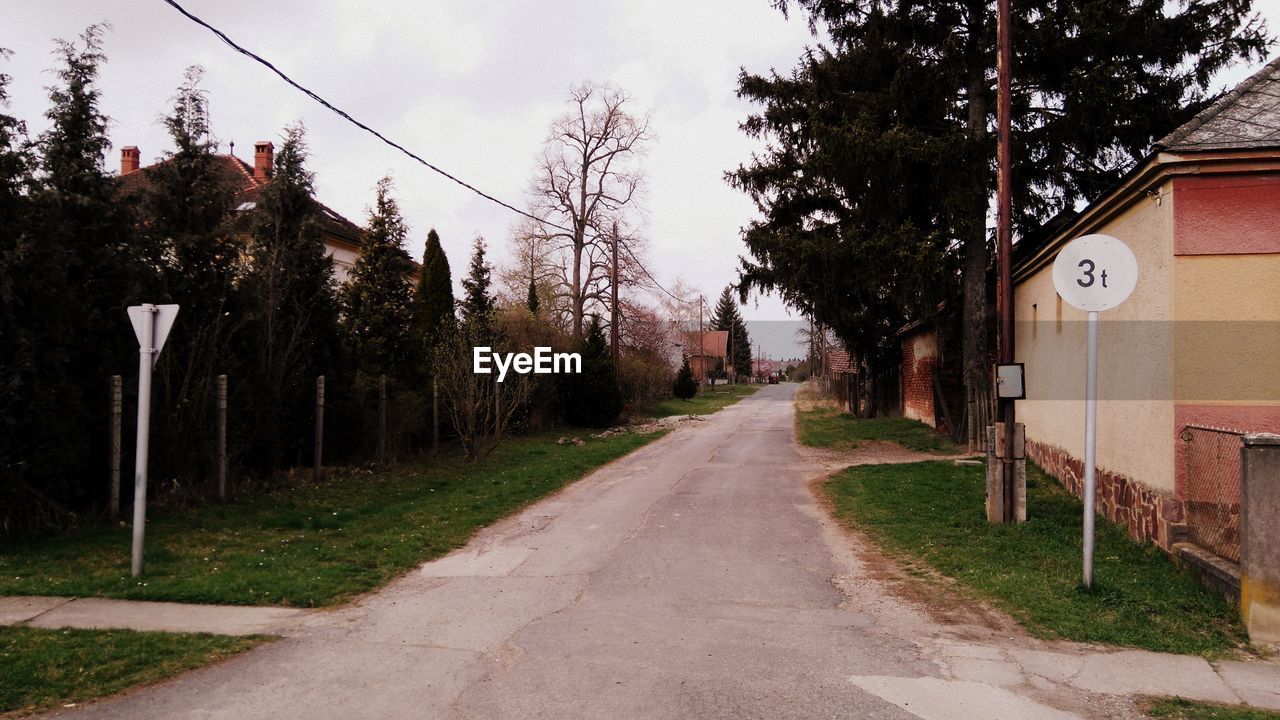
x=470, y=86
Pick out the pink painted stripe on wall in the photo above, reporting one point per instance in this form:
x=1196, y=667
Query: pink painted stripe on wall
x=1226, y=215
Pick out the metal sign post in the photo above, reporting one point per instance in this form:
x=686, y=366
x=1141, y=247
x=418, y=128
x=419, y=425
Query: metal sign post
x=1093, y=273
x=151, y=323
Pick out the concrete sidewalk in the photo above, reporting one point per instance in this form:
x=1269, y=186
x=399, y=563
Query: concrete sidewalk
x=102, y=613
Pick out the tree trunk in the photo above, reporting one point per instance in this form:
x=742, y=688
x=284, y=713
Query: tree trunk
x=976, y=254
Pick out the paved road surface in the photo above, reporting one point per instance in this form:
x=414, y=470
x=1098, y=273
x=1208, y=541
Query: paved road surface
x=696, y=578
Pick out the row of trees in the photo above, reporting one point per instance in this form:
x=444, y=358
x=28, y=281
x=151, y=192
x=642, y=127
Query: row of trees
x=875, y=188
x=260, y=304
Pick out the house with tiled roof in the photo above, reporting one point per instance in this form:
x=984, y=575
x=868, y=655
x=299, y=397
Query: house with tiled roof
x=342, y=237
x=1191, y=361
x=704, y=349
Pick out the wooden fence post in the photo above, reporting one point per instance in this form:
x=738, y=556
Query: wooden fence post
x=117, y=395
x=382, y=419
x=318, y=470
x=222, y=437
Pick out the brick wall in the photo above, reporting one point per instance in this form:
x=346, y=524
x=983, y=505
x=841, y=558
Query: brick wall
x=1149, y=515
x=919, y=358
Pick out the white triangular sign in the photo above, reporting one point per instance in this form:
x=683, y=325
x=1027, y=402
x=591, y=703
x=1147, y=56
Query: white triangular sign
x=164, y=317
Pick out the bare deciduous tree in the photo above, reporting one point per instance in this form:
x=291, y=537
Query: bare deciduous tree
x=587, y=180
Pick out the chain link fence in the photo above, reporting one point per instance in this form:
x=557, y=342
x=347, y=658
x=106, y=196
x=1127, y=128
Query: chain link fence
x=1211, y=458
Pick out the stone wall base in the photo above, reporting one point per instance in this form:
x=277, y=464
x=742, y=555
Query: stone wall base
x=1150, y=516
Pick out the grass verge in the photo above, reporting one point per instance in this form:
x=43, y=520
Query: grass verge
x=823, y=425
x=704, y=403
x=312, y=545
x=46, y=668
x=933, y=511
x=1179, y=709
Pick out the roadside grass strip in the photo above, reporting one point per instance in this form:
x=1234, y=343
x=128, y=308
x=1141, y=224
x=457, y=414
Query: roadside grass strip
x=42, y=669
x=1180, y=709
x=933, y=511
x=705, y=402
x=312, y=545
x=824, y=426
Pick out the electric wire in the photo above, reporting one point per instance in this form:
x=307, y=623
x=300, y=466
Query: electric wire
x=407, y=152
x=342, y=113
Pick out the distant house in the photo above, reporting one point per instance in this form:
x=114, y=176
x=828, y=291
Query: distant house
x=1192, y=359
x=704, y=349
x=342, y=237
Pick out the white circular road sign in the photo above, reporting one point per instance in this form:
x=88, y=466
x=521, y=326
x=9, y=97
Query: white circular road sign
x=1095, y=272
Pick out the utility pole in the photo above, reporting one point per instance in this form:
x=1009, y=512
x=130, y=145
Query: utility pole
x=728, y=361
x=702, y=343
x=1010, y=487
x=613, y=322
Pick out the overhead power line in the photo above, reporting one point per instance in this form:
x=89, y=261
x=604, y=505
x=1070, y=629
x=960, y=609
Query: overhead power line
x=342, y=113
x=407, y=152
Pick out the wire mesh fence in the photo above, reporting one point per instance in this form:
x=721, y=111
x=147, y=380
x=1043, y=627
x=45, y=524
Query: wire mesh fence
x=1211, y=465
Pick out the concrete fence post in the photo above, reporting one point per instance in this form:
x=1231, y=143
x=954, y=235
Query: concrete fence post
x=1260, y=537
x=382, y=419
x=222, y=437
x=318, y=470
x=117, y=409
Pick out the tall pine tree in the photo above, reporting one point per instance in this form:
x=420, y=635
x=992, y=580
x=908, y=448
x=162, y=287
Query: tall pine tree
x=433, y=296
x=40, y=443
x=726, y=317
x=186, y=210
x=377, y=301
x=293, y=308
x=477, y=304
x=881, y=164
x=85, y=225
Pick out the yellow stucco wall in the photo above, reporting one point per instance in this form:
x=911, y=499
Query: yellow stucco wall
x=1227, y=309
x=1135, y=372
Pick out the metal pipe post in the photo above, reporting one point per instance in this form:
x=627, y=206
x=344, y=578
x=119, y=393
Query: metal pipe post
x=1090, y=445
x=145, y=352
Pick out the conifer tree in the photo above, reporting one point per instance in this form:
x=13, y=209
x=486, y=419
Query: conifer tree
x=293, y=306
x=85, y=226
x=186, y=211
x=532, y=301
x=39, y=448
x=377, y=301
x=592, y=398
x=876, y=187
x=726, y=317
x=477, y=304
x=685, y=385
x=433, y=297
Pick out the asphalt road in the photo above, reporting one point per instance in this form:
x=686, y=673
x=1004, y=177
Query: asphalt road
x=695, y=578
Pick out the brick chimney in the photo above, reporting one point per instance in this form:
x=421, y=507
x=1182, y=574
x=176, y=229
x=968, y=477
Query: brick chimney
x=130, y=159
x=264, y=158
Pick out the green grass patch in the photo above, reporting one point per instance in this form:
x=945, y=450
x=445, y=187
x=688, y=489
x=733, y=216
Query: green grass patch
x=824, y=426
x=1180, y=709
x=934, y=511
x=705, y=402
x=46, y=668
x=312, y=545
